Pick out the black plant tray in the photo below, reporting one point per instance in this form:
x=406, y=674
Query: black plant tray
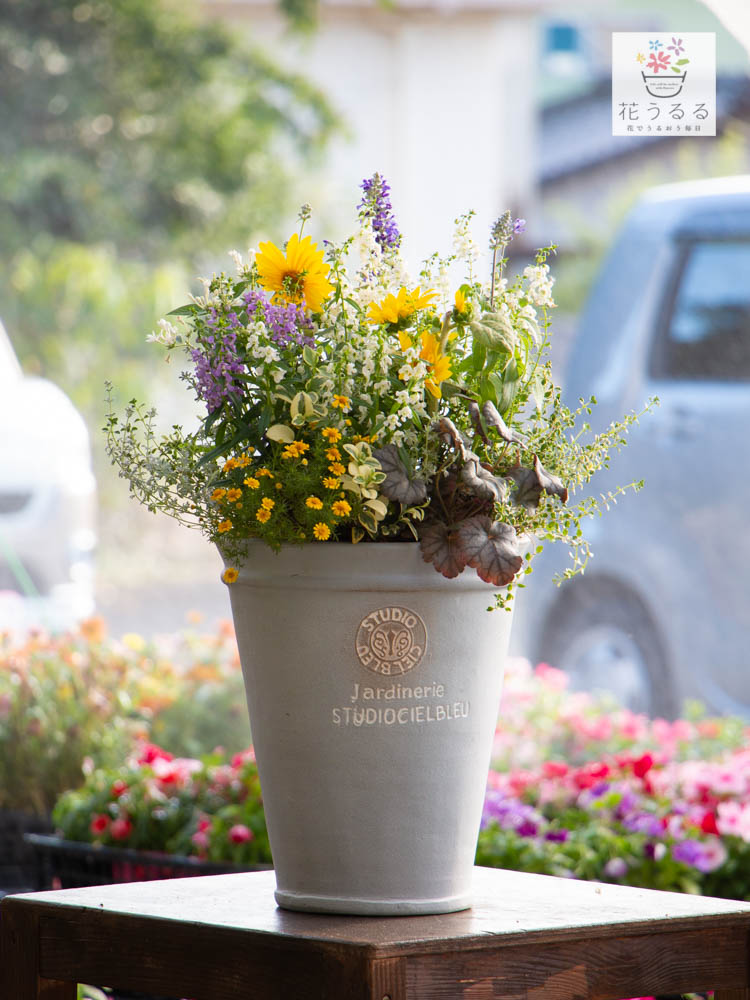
x=67, y=864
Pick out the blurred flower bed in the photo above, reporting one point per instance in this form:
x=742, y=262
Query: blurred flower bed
x=209, y=808
x=578, y=788
x=78, y=701
x=582, y=788
x=140, y=744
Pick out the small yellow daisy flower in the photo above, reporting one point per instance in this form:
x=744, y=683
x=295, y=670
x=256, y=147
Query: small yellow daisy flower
x=333, y=454
x=225, y=526
x=341, y=403
x=278, y=486
x=331, y=434
x=251, y=482
x=337, y=468
x=265, y=472
x=218, y=493
x=262, y=514
x=321, y=531
x=231, y=463
x=233, y=495
x=341, y=508
x=314, y=503
x=331, y=482
x=268, y=503
x=230, y=574
x=243, y=461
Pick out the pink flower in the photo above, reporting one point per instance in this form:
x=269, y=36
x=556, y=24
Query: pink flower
x=551, y=677
x=99, y=823
x=200, y=839
x=119, y=788
x=658, y=61
x=240, y=834
x=121, y=828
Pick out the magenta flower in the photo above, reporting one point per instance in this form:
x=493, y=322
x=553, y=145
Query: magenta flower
x=240, y=834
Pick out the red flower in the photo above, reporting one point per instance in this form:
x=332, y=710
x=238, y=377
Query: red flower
x=99, y=823
x=149, y=752
x=121, y=828
x=240, y=834
x=708, y=823
x=119, y=788
x=554, y=769
x=643, y=765
x=589, y=774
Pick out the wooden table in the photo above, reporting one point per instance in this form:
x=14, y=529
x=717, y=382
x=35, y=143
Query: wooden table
x=221, y=936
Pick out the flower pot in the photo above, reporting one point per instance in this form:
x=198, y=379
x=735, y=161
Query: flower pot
x=373, y=686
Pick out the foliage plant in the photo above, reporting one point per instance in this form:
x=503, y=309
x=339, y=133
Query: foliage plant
x=343, y=402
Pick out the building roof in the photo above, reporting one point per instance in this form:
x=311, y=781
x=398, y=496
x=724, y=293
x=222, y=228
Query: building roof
x=576, y=134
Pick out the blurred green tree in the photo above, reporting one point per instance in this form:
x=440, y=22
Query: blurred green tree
x=143, y=124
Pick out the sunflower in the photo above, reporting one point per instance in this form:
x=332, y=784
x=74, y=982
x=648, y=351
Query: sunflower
x=395, y=308
x=299, y=275
x=439, y=363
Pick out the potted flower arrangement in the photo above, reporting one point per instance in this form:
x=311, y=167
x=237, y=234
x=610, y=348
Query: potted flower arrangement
x=377, y=458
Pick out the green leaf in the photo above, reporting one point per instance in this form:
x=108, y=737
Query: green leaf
x=182, y=311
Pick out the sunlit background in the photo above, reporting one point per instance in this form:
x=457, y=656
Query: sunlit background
x=141, y=140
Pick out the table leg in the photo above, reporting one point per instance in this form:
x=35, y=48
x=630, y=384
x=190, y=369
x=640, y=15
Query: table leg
x=387, y=979
x=19, y=958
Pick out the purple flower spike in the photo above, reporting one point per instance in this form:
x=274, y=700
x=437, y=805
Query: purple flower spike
x=376, y=206
x=519, y=226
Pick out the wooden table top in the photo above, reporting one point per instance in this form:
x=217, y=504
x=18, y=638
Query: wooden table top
x=509, y=906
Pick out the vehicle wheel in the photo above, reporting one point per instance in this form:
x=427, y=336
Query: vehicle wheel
x=603, y=637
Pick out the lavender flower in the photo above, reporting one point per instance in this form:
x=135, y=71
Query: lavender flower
x=287, y=322
x=216, y=363
x=703, y=856
x=616, y=868
x=376, y=206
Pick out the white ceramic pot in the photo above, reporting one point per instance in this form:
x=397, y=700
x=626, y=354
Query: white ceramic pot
x=373, y=685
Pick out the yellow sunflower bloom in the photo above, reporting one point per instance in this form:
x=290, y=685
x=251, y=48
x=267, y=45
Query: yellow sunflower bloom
x=439, y=364
x=230, y=574
x=321, y=531
x=299, y=275
x=395, y=308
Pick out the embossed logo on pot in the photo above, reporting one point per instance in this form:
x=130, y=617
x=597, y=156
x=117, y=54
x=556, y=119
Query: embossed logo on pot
x=391, y=641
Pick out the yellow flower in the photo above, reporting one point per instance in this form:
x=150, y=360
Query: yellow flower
x=337, y=468
x=252, y=482
x=295, y=450
x=278, y=486
x=225, y=526
x=265, y=472
x=333, y=454
x=263, y=514
x=331, y=434
x=321, y=531
x=331, y=482
x=439, y=364
x=218, y=493
x=460, y=301
x=268, y=503
x=314, y=503
x=404, y=340
x=341, y=508
x=231, y=463
x=243, y=461
x=640, y=58
x=230, y=574
x=394, y=308
x=341, y=403
x=299, y=275
x=233, y=495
